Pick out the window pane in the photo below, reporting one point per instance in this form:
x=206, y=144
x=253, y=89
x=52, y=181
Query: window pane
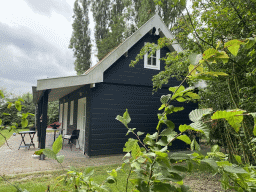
x=154, y=61
x=149, y=60
x=154, y=55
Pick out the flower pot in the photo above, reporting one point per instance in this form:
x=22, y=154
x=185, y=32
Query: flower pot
x=42, y=157
x=35, y=156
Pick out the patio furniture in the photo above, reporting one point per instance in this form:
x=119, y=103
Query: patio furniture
x=70, y=138
x=31, y=135
x=54, y=128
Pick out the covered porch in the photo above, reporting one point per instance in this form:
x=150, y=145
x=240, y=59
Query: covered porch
x=41, y=99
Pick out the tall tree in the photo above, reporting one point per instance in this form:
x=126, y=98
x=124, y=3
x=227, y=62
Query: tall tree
x=80, y=41
x=115, y=32
x=118, y=19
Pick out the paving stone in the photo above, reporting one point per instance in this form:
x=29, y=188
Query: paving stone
x=14, y=161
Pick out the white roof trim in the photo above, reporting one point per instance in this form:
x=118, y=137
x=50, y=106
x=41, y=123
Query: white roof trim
x=95, y=74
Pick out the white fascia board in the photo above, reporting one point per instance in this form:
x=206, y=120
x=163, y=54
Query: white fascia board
x=69, y=81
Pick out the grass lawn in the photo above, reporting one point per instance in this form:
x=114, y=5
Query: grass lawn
x=8, y=134
x=38, y=182
x=199, y=180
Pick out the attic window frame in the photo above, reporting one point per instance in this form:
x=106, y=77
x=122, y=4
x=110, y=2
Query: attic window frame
x=150, y=66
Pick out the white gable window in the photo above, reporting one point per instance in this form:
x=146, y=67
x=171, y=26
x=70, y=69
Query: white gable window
x=152, y=62
x=71, y=112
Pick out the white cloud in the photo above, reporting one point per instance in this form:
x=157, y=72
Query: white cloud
x=34, y=42
x=16, y=87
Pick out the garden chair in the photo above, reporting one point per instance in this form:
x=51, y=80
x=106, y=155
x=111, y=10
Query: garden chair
x=72, y=137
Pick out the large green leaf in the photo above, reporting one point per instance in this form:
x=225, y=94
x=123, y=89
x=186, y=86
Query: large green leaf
x=250, y=42
x=208, y=75
x=139, y=133
x=163, y=160
x=192, y=95
x=173, y=89
x=183, y=128
x=169, y=124
x=49, y=153
x=234, y=169
x=234, y=117
x=215, y=148
x=211, y=163
x=18, y=105
x=233, y=46
x=125, y=119
x=184, y=138
x=209, y=53
x=167, y=132
x=194, y=58
x=129, y=145
x=57, y=145
x=235, y=122
x=132, y=146
x=113, y=173
x=24, y=123
x=162, y=141
x=197, y=114
x=165, y=98
x=60, y=158
x=201, y=127
x=195, y=146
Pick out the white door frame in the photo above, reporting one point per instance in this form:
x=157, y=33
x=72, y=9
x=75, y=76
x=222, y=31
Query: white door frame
x=65, y=118
x=60, y=115
x=81, y=121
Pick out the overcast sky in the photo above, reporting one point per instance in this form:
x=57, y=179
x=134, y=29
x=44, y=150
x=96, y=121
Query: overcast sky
x=34, y=39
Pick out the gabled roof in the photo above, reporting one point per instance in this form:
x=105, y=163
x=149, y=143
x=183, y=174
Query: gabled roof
x=95, y=73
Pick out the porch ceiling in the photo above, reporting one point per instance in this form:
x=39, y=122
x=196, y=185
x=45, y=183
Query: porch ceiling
x=55, y=94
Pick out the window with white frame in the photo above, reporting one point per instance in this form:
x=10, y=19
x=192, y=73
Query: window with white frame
x=152, y=61
x=71, y=112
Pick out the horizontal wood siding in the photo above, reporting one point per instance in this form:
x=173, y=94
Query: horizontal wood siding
x=121, y=73
x=84, y=91
x=108, y=135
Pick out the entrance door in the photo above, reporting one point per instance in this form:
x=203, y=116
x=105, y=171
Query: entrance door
x=65, y=118
x=81, y=121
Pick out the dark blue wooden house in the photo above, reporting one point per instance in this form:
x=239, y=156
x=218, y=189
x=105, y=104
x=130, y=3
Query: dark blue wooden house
x=91, y=102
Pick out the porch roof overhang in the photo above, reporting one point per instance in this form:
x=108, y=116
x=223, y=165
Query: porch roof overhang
x=64, y=85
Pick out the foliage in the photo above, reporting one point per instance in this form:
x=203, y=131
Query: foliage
x=53, y=112
x=12, y=126
x=118, y=19
x=82, y=181
x=11, y=119
x=80, y=41
x=56, y=147
x=150, y=160
x=221, y=35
